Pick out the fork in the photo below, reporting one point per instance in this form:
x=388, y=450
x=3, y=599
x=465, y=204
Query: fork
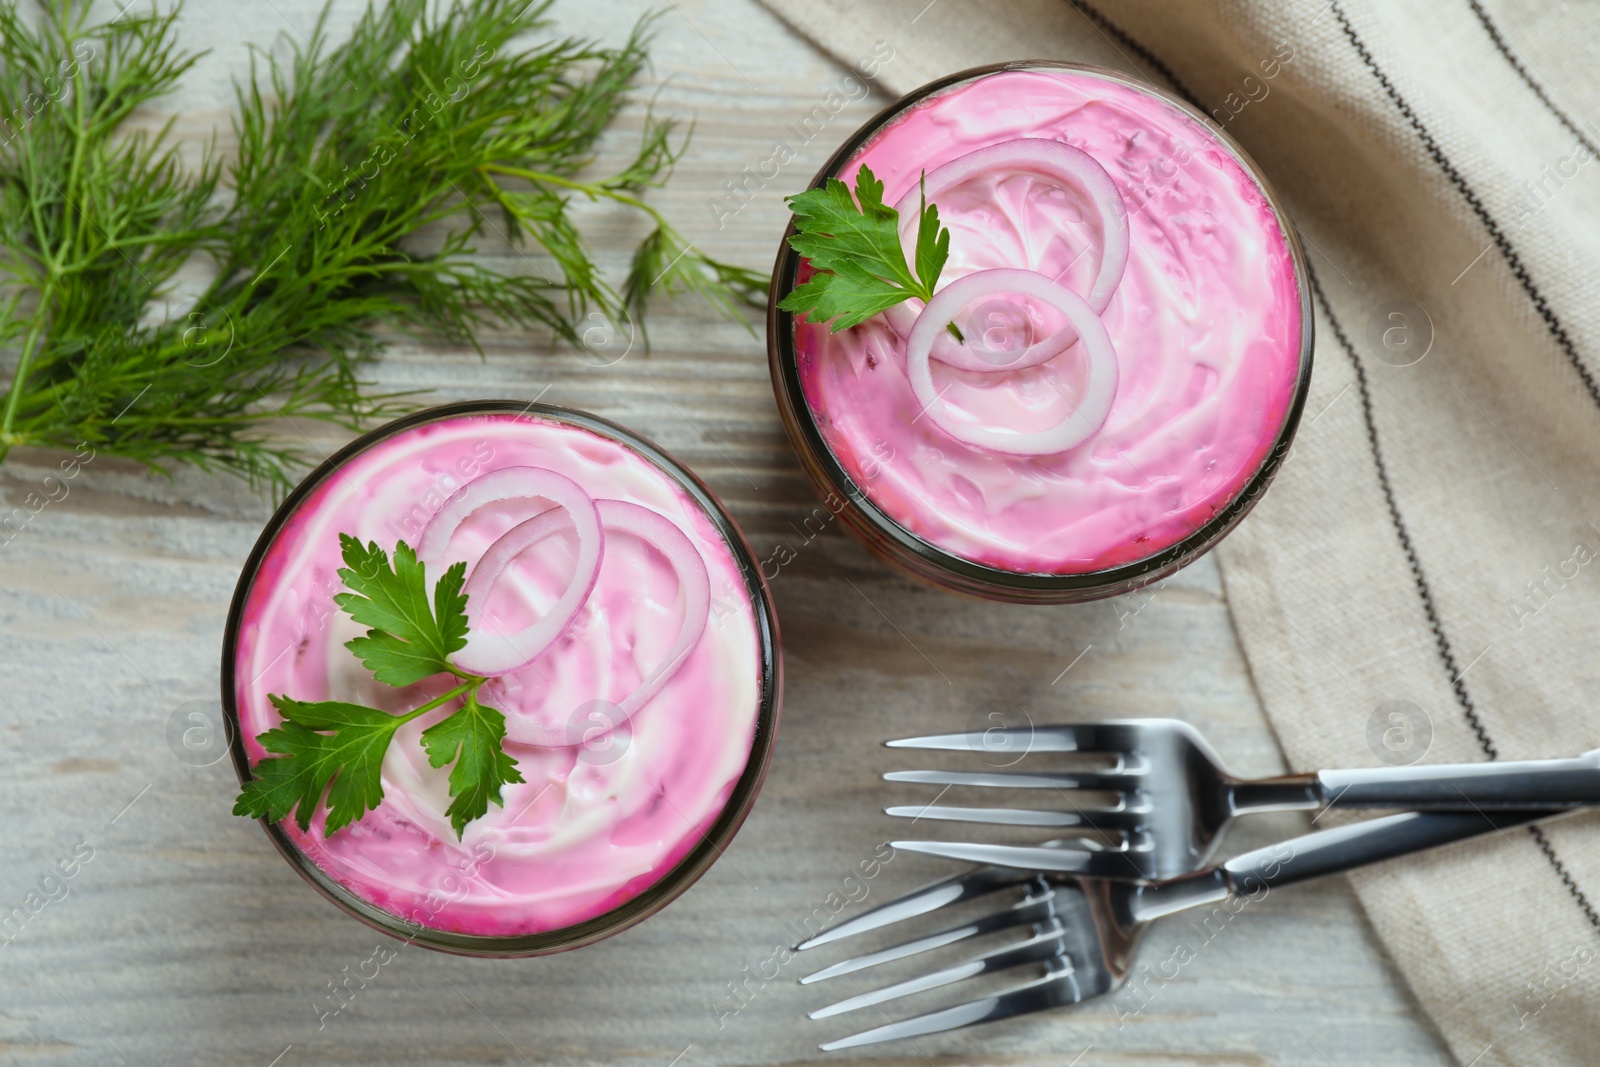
x=1174, y=797
x=1082, y=932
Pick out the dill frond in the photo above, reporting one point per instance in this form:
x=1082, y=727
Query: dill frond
x=470, y=117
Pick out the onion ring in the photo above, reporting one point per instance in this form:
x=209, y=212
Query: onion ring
x=1071, y=431
x=489, y=653
x=694, y=586
x=1071, y=167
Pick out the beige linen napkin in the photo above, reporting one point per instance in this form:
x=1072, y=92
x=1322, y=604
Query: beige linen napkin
x=1423, y=580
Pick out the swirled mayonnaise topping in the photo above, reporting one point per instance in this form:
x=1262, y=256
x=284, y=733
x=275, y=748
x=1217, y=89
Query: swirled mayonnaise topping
x=593, y=825
x=1206, y=324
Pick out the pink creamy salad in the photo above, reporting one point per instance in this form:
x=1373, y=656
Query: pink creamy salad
x=1206, y=326
x=595, y=824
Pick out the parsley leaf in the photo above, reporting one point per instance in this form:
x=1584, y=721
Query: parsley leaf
x=860, y=263
x=848, y=297
x=471, y=737
x=933, y=243
x=349, y=757
x=336, y=748
x=408, y=642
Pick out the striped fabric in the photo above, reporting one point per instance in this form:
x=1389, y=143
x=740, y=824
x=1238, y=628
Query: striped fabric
x=1423, y=580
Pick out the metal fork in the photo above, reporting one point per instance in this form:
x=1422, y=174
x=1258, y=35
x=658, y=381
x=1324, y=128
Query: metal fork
x=1081, y=934
x=1172, y=796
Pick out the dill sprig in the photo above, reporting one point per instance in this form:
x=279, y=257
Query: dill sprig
x=466, y=120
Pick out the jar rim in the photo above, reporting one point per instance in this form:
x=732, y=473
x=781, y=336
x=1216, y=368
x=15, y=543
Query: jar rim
x=887, y=536
x=693, y=864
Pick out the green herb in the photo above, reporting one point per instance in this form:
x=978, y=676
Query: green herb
x=431, y=117
x=409, y=638
x=860, y=263
x=471, y=738
x=334, y=748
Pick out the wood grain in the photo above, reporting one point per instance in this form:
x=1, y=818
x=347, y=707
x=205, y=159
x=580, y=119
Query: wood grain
x=186, y=940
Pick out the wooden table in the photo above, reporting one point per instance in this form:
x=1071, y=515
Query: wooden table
x=187, y=940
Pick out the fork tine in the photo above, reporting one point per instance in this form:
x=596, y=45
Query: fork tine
x=1085, y=858
x=1099, y=781
x=921, y=901
x=1047, y=944
x=1104, y=820
x=1050, y=991
x=1081, y=737
x=1030, y=910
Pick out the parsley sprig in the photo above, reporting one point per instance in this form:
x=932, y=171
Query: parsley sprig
x=860, y=264
x=337, y=748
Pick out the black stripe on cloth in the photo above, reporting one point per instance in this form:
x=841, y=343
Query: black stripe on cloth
x=1458, y=684
x=1424, y=592
x=1501, y=241
x=1120, y=36
x=1557, y=330
x=1517, y=65
x=1566, y=878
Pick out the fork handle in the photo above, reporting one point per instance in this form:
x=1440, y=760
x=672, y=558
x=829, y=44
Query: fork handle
x=1343, y=848
x=1525, y=784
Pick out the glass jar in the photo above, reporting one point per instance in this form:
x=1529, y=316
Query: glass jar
x=556, y=867
x=1129, y=506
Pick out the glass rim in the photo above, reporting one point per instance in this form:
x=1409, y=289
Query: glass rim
x=693, y=864
x=941, y=566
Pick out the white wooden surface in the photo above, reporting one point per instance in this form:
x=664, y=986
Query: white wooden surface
x=186, y=940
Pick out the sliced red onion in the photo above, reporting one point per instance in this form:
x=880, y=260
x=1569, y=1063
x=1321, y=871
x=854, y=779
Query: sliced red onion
x=694, y=591
x=1071, y=167
x=1071, y=431
x=694, y=587
x=489, y=652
